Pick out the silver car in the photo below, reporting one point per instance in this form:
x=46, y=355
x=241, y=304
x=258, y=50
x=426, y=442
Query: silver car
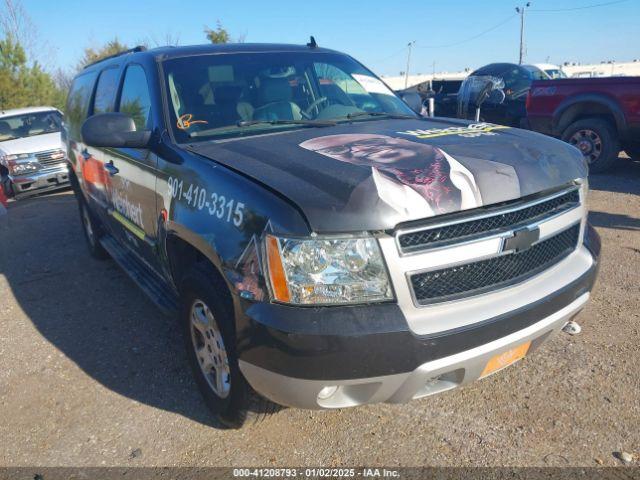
x=32, y=157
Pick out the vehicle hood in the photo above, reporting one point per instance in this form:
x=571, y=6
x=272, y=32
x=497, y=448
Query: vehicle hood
x=373, y=175
x=37, y=143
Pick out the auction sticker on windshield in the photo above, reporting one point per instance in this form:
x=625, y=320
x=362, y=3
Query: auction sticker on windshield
x=371, y=84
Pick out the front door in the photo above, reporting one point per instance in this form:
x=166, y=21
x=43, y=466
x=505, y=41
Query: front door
x=132, y=171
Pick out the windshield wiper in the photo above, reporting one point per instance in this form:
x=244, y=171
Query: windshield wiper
x=248, y=123
x=379, y=114
x=313, y=123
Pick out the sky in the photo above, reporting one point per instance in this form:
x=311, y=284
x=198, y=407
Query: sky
x=374, y=32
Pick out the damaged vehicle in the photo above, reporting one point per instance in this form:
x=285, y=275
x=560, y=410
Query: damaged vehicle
x=323, y=245
x=32, y=158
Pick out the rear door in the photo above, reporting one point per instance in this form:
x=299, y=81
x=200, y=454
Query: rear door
x=76, y=111
x=132, y=173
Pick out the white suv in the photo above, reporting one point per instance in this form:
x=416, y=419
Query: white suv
x=32, y=157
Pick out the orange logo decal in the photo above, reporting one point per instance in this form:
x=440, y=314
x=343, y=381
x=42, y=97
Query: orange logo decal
x=185, y=121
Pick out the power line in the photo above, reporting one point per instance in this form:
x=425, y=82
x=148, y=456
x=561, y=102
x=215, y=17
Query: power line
x=506, y=20
x=394, y=54
x=470, y=38
x=577, y=8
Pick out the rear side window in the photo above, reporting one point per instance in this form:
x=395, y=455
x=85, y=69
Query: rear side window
x=106, y=91
x=135, y=99
x=78, y=103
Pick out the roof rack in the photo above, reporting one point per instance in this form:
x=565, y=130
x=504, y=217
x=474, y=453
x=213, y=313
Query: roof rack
x=139, y=48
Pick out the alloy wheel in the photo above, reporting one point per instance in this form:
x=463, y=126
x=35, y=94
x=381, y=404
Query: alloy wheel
x=589, y=143
x=210, y=349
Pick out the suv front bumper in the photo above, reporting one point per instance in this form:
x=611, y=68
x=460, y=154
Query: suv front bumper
x=368, y=354
x=40, y=181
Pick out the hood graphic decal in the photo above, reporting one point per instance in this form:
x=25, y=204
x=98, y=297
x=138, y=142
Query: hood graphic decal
x=366, y=175
x=414, y=179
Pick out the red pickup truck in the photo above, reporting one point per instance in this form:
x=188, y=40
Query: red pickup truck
x=600, y=116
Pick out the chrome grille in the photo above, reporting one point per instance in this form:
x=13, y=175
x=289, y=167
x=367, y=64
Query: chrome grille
x=486, y=224
x=489, y=271
x=50, y=158
x=477, y=277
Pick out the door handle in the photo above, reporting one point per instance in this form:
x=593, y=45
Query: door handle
x=111, y=168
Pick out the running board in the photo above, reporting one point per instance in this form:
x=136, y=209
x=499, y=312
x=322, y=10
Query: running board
x=157, y=290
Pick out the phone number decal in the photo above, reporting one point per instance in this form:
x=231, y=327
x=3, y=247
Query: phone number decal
x=219, y=206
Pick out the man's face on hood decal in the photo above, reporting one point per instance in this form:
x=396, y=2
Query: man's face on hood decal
x=398, y=163
x=371, y=150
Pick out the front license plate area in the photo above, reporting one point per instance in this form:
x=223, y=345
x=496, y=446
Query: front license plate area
x=504, y=359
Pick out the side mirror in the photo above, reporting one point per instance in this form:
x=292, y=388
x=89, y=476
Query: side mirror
x=116, y=130
x=496, y=97
x=413, y=100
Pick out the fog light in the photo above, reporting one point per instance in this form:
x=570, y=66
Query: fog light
x=327, y=391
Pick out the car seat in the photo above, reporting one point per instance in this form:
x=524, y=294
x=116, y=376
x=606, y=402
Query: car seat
x=226, y=101
x=276, y=97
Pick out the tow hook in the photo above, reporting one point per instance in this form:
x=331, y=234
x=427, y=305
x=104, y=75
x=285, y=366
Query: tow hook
x=572, y=328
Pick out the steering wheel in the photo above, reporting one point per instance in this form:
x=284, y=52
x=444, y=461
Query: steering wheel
x=314, y=105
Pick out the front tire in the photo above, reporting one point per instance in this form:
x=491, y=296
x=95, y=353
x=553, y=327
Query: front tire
x=92, y=231
x=209, y=334
x=597, y=140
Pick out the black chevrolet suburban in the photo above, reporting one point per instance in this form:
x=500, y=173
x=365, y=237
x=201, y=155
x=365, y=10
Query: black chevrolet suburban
x=323, y=245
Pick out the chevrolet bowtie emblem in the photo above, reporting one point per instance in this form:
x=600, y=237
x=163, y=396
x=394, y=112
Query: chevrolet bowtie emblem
x=522, y=239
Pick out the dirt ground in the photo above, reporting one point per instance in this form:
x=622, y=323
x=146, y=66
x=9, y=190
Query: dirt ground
x=92, y=374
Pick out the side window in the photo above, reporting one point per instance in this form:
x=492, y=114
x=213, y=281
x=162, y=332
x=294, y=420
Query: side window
x=106, y=91
x=135, y=99
x=516, y=81
x=78, y=103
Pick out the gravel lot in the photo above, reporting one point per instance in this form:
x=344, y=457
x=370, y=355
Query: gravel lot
x=92, y=374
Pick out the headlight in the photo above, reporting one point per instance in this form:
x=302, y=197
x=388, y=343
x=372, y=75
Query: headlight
x=20, y=167
x=323, y=271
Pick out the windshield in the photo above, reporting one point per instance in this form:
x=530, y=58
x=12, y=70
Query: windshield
x=248, y=93
x=556, y=73
x=29, y=124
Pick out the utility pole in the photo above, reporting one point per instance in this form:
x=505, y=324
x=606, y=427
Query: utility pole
x=521, y=11
x=406, y=73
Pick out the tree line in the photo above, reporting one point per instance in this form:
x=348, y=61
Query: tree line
x=24, y=82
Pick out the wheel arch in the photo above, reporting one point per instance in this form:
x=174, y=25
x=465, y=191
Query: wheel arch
x=184, y=250
x=588, y=105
